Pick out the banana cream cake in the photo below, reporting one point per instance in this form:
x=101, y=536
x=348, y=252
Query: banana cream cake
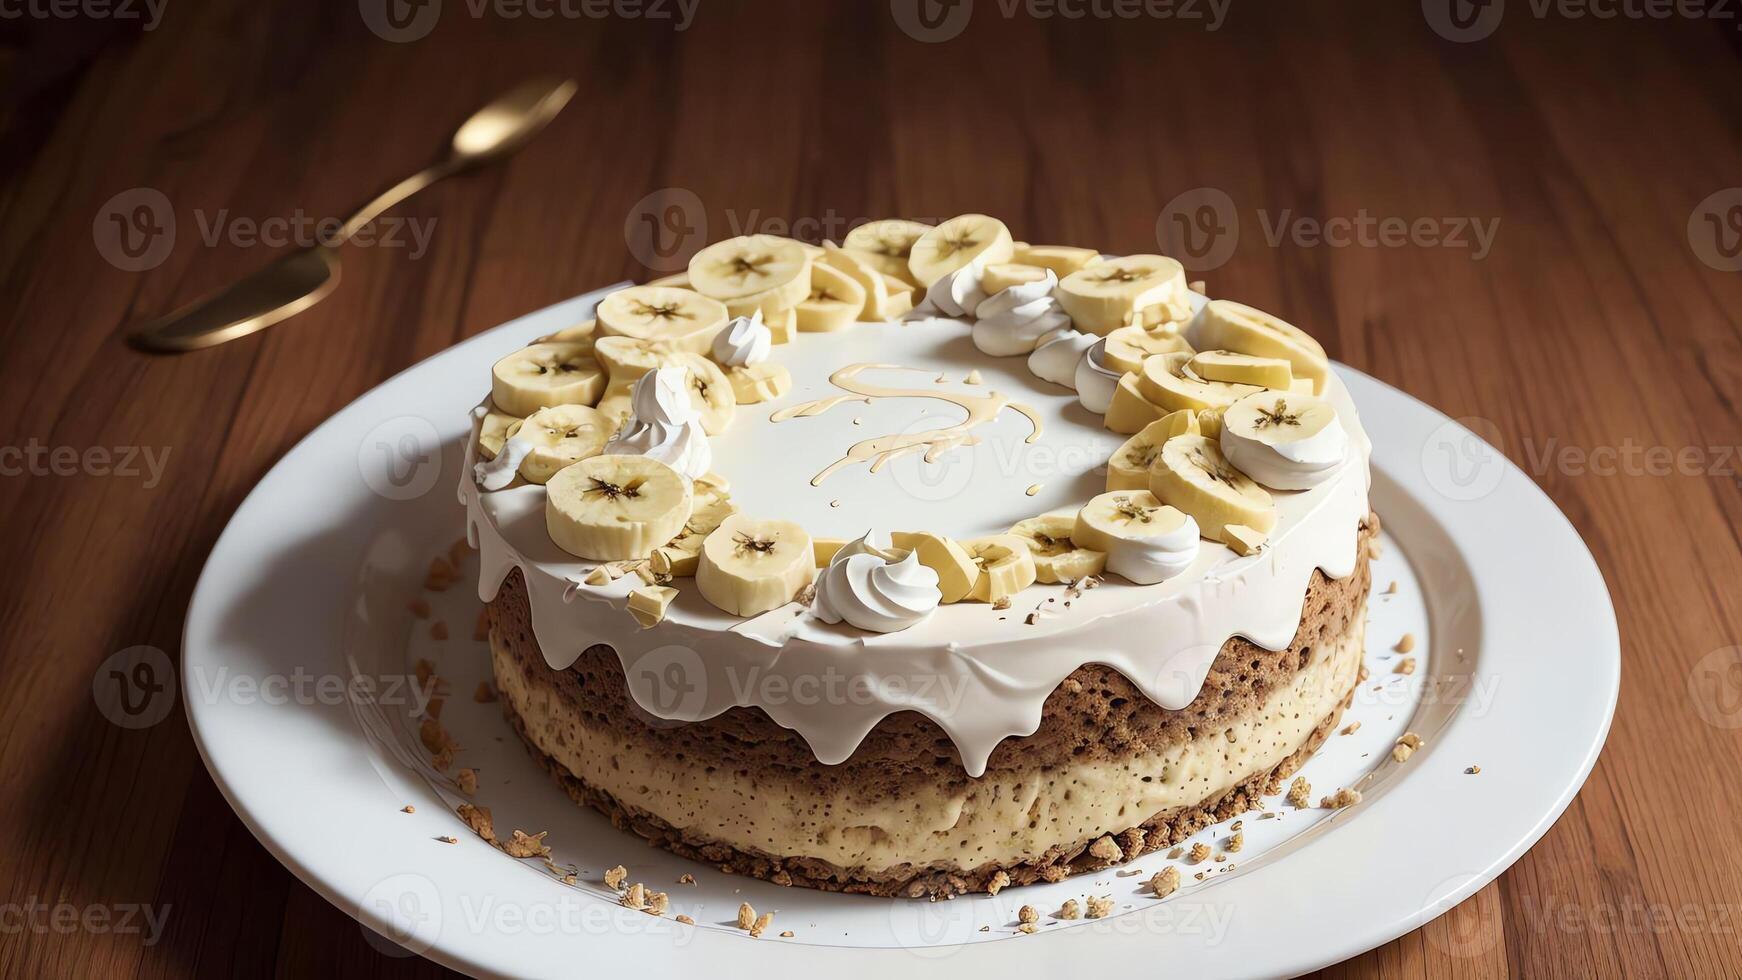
x=926, y=563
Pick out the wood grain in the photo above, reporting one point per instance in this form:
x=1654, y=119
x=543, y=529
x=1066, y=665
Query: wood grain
x=1592, y=322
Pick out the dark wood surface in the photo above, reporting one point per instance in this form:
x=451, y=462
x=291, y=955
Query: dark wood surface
x=1601, y=316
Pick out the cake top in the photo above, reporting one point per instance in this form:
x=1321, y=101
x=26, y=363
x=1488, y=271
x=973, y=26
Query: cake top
x=930, y=454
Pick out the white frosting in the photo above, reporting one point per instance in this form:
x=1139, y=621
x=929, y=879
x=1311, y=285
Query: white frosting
x=1147, y=560
x=663, y=425
x=743, y=342
x=1059, y=353
x=957, y=294
x=980, y=680
x=1295, y=466
x=494, y=474
x=1096, y=382
x=870, y=586
x=1015, y=319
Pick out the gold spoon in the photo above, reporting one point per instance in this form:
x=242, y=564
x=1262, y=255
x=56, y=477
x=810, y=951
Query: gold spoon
x=305, y=277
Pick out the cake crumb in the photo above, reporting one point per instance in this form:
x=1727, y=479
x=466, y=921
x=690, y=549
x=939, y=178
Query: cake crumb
x=478, y=819
x=1106, y=849
x=1027, y=914
x=998, y=883
x=1174, y=855
x=1300, y=793
x=467, y=780
x=438, y=630
x=434, y=708
x=1404, y=666
x=1392, y=588
x=635, y=897
x=686, y=920
x=523, y=845
x=448, y=840
x=1099, y=908
x=973, y=378
x=1351, y=728
x=788, y=934
x=1031, y=618
x=1199, y=852
x=1027, y=928
x=1405, y=644
x=614, y=877
x=1406, y=746
x=1127, y=872
x=419, y=607
x=408, y=808
x=1236, y=842
x=1341, y=798
x=746, y=916
x=1068, y=910
x=440, y=575
x=458, y=551
x=657, y=903
x=1002, y=602
x=762, y=922
x=1473, y=770
x=481, y=628
x=1165, y=882
x=1364, y=673
x=686, y=879
x=484, y=694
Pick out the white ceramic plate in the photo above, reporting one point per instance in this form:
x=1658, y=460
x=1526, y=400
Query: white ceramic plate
x=300, y=644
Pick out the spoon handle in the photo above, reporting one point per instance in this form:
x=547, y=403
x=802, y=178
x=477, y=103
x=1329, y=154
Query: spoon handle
x=388, y=198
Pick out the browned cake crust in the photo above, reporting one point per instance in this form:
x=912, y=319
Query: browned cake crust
x=1095, y=714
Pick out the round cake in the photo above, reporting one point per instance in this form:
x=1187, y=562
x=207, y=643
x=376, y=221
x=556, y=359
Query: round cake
x=929, y=563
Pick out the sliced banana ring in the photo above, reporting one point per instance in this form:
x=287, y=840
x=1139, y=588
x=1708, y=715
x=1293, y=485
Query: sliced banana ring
x=559, y=437
x=1165, y=381
x=1128, y=347
x=1284, y=440
x=615, y=508
x=1145, y=540
x=687, y=320
x=1193, y=475
x=1128, y=468
x=1005, y=564
x=887, y=244
x=546, y=375
x=1114, y=293
x=1057, y=557
x=750, y=566
x=1226, y=325
x=777, y=270
x=957, y=242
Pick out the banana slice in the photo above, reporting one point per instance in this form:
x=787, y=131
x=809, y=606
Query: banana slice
x=1284, y=440
x=1226, y=325
x=1242, y=540
x=825, y=548
x=956, y=243
x=1193, y=475
x=1166, y=381
x=710, y=391
x=546, y=375
x=781, y=324
x=903, y=296
x=956, y=570
x=1002, y=275
x=834, y=303
x=1111, y=294
x=617, y=401
x=494, y=431
x=560, y=436
x=679, y=557
x=766, y=271
x=749, y=566
x=862, y=272
x=1128, y=469
x=1145, y=540
x=628, y=358
x=887, y=244
x=756, y=383
x=614, y=508
x=1057, y=558
x=684, y=319
x=1005, y=565
x=1129, y=412
x=1210, y=424
x=580, y=332
x=1128, y=347
x=1221, y=365
x=1061, y=259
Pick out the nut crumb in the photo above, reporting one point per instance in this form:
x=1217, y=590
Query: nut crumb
x=408, y=808
x=614, y=877
x=522, y=845
x=478, y=819
x=1002, y=602
x=1031, y=618
x=1099, y=908
x=1236, y=842
x=1341, y=798
x=686, y=879
x=1392, y=588
x=635, y=897
x=481, y=628
x=1300, y=793
x=440, y=575
x=1364, y=673
x=1174, y=855
x=1473, y=770
x=438, y=630
x=686, y=920
x=1068, y=910
x=1351, y=728
x=788, y=934
x=746, y=916
x=1406, y=643
x=1404, y=666
x=484, y=694
x=1027, y=914
x=1406, y=746
x=1199, y=852
x=1106, y=849
x=1027, y=928
x=762, y=922
x=448, y=840
x=467, y=780
x=999, y=882
x=419, y=607
x=1165, y=882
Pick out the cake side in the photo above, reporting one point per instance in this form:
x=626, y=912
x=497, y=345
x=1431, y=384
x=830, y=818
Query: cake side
x=1107, y=776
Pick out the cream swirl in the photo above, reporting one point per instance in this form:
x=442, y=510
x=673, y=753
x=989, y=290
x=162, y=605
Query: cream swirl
x=957, y=294
x=1014, y=320
x=743, y=342
x=663, y=425
x=1096, y=382
x=1152, y=558
x=871, y=586
x=1057, y=356
x=1299, y=465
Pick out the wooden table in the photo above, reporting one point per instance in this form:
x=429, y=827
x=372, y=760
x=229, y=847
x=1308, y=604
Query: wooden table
x=1600, y=316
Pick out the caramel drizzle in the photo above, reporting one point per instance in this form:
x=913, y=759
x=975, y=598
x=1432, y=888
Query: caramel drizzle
x=934, y=442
